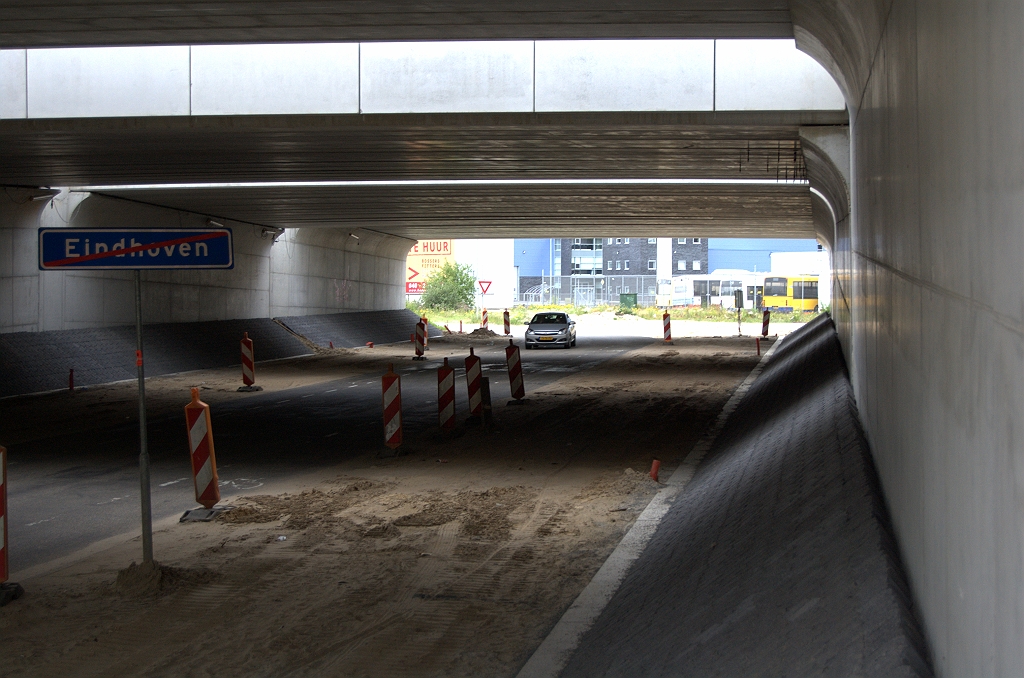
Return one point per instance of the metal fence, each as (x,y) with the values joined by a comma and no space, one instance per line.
(590,290)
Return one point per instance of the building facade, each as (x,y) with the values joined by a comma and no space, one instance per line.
(689,256)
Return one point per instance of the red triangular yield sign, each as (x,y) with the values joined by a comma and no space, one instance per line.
(484,285)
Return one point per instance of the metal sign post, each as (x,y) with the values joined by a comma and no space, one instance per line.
(111,249)
(147,506)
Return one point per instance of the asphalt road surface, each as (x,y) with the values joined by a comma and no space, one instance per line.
(70,489)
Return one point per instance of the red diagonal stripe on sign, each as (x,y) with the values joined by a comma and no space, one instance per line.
(138,248)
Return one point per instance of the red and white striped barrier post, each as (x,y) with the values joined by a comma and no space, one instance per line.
(764,323)
(666,320)
(391,392)
(483,319)
(4,571)
(473,374)
(446,396)
(248,366)
(8,592)
(200,445)
(426,332)
(421,331)
(508,323)
(515,371)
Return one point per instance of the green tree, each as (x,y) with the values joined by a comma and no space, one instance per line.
(451,287)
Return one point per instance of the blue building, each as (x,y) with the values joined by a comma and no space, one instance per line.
(752,254)
(534,256)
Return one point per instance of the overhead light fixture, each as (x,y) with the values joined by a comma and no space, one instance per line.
(271,232)
(211,222)
(451,182)
(353,235)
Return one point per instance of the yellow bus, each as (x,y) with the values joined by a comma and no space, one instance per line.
(795,293)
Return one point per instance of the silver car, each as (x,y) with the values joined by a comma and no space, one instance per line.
(551,328)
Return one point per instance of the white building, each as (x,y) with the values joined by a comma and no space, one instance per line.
(493,264)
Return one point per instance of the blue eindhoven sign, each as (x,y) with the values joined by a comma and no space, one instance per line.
(78,248)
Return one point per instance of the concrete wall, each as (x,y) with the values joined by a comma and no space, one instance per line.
(306,272)
(323,270)
(930,265)
(19,270)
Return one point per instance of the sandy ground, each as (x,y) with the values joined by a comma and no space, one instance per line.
(453,561)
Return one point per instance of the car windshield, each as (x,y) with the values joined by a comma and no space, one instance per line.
(549,319)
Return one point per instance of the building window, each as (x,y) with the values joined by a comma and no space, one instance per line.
(618,241)
(625,289)
(652,241)
(650,290)
(696,265)
(681,265)
(626,267)
(696,241)
(576,241)
(618,289)
(651,264)
(626,240)
(609,264)
(681,241)
(618,264)
(611,241)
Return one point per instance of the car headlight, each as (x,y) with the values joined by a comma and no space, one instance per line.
(563,331)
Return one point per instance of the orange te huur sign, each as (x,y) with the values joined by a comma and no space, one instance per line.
(425,257)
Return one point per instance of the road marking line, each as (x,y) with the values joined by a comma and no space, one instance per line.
(554,653)
(172,482)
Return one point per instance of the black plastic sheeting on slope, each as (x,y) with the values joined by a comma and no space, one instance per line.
(778,559)
(349,330)
(33,362)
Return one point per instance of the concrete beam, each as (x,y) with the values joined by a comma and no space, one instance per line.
(415,77)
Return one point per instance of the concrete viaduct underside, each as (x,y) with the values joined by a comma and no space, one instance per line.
(929,228)
(294,169)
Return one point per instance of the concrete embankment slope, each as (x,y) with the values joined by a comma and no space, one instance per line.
(778,558)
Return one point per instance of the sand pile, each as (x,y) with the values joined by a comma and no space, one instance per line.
(306,509)
(153,579)
(482,514)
